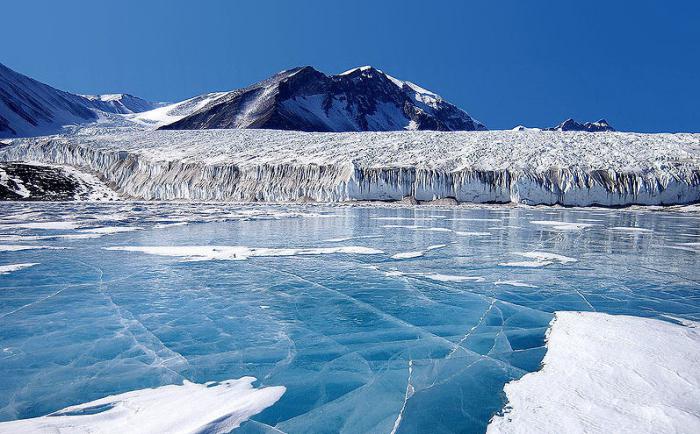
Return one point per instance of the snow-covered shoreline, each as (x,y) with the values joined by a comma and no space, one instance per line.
(520,167)
(609,373)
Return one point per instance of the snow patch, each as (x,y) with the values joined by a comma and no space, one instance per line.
(240,253)
(215,407)
(7,269)
(606,373)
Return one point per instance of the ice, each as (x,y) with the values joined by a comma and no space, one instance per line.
(605,373)
(216,407)
(361,342)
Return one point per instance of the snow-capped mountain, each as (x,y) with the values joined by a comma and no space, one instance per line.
(31,108)
(304,99)
(591,127)
(121,103)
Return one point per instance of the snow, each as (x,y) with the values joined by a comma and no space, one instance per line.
(529,167)
(453,278)
(240,253)
(173,112)
(408,255)
(562,226)
(631,229)
(62,225)
(13,184)
(18,247)
(215,407)
(515,283)
(7,269)
(107,230)
(605,373)
(541,259)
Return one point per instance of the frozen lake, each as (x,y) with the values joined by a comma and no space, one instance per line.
(374,319)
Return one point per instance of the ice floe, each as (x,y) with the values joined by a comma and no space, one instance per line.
(215,407)
(605,373)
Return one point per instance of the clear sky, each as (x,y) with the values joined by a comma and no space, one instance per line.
(506,62)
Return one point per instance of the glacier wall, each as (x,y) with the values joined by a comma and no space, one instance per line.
(143,175)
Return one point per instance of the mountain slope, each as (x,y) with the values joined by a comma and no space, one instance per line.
(121,103)
(304,99)
(31,108)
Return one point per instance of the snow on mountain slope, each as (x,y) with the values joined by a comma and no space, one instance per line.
(31,108)
(173,112)
(121,103)
(304,99)
(531,167)
(591,127)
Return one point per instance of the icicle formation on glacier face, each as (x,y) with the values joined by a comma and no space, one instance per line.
(531,167)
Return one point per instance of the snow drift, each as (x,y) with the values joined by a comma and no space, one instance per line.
(608,373)
(530,167)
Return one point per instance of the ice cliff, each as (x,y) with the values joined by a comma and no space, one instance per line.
(530,167)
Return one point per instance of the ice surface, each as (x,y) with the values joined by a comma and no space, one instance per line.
(606,373)
(361,342)
(530,167)
(188,408)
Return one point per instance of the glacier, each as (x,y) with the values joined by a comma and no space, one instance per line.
(520,167)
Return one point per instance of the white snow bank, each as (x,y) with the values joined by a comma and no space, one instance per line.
(7,269)
(530,167)
(240,253)
(189,408)
(605,374)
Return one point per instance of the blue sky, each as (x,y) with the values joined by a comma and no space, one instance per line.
(506,62)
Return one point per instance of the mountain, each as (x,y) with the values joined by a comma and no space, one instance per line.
(31,108)
(121,103)
(304,99)
(591,127)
